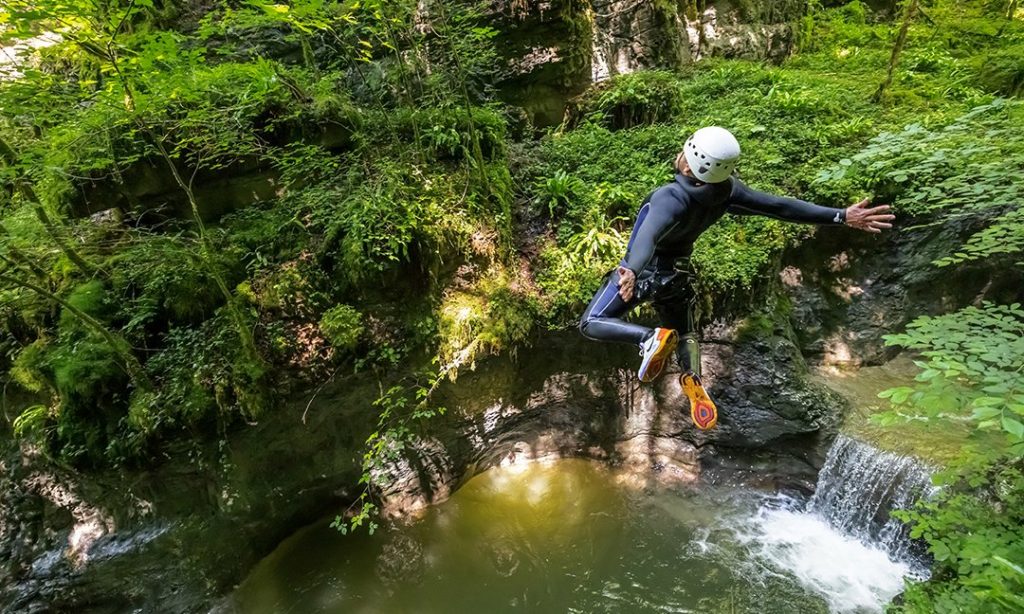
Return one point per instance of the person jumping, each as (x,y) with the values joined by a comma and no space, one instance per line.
(656,267)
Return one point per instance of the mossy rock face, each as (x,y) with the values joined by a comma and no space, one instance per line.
(545,50)
(772,42)
(1002,71)
(757,375)
(631,36)
(149,185)
(753,11)
(553,51)
(849,290)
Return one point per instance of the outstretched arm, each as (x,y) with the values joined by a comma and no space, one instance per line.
(745,201)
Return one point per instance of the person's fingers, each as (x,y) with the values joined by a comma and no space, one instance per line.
(880,225)
(863,203)
(879,209)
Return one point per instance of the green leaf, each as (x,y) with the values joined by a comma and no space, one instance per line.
(900,394)
(1013,566)
(1013,427)
(988,401)
(985,413)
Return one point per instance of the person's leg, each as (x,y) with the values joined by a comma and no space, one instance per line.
(603,321)
(676,306)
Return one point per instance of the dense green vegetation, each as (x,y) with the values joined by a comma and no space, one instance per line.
(971,360)
(966,172)
(140,305)
(200,310)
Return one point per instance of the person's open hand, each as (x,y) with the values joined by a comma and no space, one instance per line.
(869,219)
(627,282)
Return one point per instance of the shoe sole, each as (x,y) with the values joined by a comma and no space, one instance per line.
(668,339)
(703,411)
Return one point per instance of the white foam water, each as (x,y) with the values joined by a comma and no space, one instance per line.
(850,574)
(843,544)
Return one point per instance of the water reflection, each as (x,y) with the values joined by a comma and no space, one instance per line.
(556,537)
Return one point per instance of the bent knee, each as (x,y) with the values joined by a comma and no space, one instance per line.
(584,324)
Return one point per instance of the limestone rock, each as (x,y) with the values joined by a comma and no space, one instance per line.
(850,289)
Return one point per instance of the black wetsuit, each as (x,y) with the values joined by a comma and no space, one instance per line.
(668,224)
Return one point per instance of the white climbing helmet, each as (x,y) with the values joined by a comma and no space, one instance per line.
(712,154)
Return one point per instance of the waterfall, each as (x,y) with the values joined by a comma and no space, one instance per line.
(859,486)
(842,543)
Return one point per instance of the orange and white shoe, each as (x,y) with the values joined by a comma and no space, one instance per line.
(702,408)
(656,351)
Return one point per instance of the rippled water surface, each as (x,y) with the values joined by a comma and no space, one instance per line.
(565,537)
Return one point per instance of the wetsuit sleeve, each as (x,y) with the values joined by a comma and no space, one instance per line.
(744,201)
(662,213)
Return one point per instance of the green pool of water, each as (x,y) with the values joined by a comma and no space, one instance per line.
(560,537)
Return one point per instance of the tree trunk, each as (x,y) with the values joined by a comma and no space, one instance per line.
(70,252)
(245,335)
(909,9)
